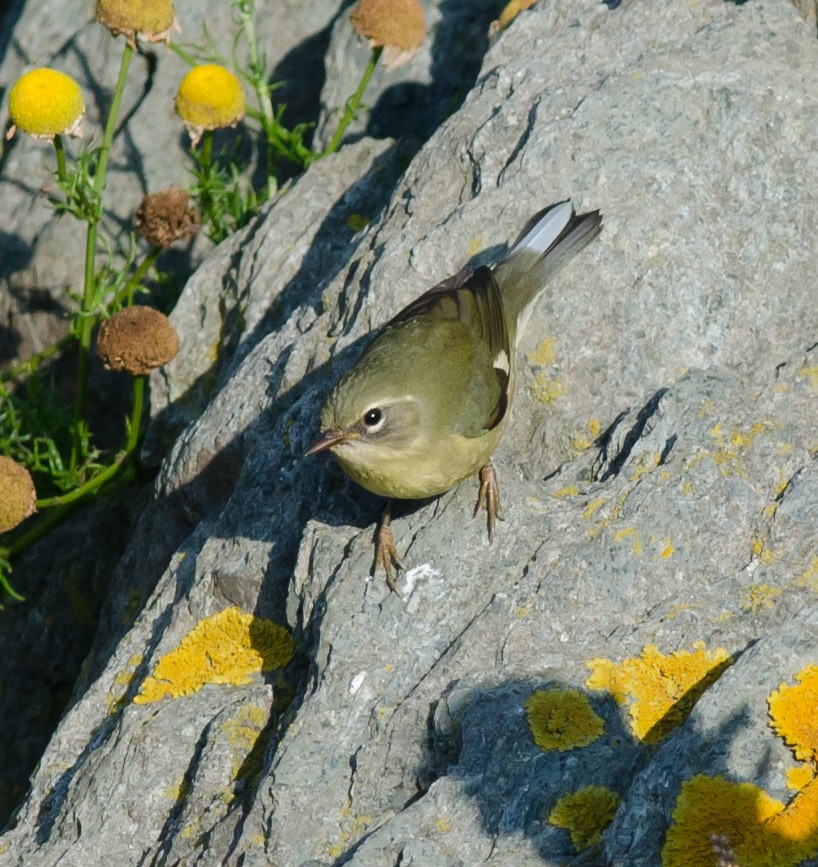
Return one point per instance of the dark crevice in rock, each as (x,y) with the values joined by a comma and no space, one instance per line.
(613,464)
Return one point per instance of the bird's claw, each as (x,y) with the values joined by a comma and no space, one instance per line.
(489,498)
(386,554)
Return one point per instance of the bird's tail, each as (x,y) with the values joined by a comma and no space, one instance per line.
(549,240)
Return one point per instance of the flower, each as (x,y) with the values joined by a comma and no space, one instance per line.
(17,495)
(166,216)
(153,19)
(398,26)
(137,339)
(209,97)
(45,103)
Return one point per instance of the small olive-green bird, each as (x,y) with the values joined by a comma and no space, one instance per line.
(425,406)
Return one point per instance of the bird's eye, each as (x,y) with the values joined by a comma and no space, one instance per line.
(373,417)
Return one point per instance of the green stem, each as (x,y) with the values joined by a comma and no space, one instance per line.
(188,58)
(263,94)
(60,149)
(136,278)
(205,160)
(28,366)
(135,421)
(92,485)
(89,284)
(354,102)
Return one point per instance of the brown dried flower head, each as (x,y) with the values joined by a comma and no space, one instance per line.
(396,25)
(17,494)
(137,339)
(167,216)
(153,19)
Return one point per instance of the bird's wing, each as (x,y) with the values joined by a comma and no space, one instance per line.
(473,299)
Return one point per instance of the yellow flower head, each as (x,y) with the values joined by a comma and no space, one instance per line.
(17,494)
(153,19)
(209,97)
(45,103)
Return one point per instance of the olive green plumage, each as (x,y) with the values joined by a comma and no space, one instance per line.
(426,404)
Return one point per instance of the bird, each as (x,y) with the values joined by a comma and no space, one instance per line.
(427,402)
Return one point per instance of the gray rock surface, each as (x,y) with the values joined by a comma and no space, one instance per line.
(659,478)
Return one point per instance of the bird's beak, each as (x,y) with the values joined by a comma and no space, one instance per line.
(327,440)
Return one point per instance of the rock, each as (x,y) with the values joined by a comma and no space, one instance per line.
(658,481)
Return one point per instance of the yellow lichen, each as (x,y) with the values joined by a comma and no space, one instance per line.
(567,491)
(585,814)
(545,389)
(228,647)
(760,596)
(799,776)
(809,373)
(593,506)
(244,734)
(713,805)
(659,689)
(793,714)
(544,354)
(809,577)
(510,11)
(562,719)
(762,832)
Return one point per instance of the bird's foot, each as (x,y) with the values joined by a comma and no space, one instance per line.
(489,497)
(386,554)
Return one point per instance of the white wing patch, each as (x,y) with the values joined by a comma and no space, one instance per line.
(501,362)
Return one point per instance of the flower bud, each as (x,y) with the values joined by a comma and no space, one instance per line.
(167,216)
(396,25)
(152,19)
(17,494)
(137,339)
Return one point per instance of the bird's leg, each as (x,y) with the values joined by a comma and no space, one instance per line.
(386,554)
(489,497)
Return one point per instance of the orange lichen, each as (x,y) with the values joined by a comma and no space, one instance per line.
(510,12)
(713,805)
(660,690)
(585,814)
(562,719)
(228,647)
(761,831)
(799,776)
(793,714)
